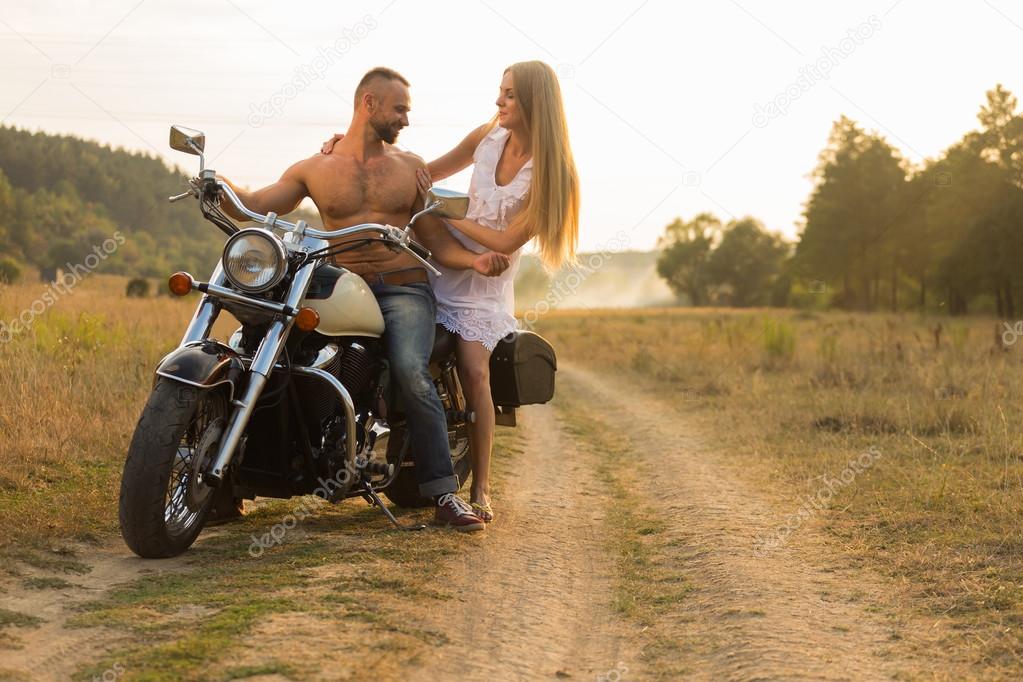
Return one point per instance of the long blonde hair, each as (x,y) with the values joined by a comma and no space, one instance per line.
(552,203)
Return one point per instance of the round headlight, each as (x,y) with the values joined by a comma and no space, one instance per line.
(255,260)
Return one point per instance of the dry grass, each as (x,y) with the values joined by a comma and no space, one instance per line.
(72,386)
(796,396)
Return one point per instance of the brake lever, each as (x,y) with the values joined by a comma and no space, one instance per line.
(402,237)
(425,262)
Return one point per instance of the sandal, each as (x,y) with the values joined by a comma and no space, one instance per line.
(484,511)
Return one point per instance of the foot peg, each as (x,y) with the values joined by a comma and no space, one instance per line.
(456,416)
(378,468)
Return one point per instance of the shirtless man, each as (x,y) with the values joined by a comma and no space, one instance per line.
(367,180)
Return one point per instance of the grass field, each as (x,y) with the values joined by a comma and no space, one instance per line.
(795,397)
(72,385)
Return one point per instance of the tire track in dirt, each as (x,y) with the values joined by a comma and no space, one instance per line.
(792,613)
(533,598)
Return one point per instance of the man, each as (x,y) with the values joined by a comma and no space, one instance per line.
(367,180)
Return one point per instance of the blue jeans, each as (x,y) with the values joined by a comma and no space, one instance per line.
(409,313)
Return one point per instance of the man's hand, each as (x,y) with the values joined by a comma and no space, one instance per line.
(491,263)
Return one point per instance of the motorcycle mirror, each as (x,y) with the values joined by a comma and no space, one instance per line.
(187,140)
(447,203)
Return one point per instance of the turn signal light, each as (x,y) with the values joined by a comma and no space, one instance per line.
(180,283)
(307,319)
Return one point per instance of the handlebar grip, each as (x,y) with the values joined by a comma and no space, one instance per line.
(419,250)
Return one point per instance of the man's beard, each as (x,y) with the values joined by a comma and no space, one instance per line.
(385,132)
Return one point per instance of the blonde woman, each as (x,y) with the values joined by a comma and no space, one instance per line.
(524,187)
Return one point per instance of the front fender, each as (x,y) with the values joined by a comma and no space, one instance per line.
(203,364)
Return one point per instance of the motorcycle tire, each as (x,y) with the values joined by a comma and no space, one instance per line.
(404,490)
(147,507)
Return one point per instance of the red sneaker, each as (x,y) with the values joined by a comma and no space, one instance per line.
(454,512)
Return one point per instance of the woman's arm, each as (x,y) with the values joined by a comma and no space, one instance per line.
(460,157)
(508,241)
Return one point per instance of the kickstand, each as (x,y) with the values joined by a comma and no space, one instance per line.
(370,495)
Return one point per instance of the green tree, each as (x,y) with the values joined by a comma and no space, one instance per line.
(10,271)
(685,253)
(747,263)
(853,215)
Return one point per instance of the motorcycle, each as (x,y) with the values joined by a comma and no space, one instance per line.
(298,401)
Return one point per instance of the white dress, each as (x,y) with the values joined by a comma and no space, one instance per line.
(476,307)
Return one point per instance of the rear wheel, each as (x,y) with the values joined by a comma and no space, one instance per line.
(164,502)
(404,490)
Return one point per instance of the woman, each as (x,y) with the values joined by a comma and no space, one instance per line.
(524,187)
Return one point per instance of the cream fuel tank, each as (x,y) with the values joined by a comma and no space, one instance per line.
(346,306)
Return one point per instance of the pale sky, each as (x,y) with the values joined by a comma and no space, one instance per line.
(662,96)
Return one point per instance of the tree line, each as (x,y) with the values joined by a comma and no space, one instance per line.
(60,196)
(878,232)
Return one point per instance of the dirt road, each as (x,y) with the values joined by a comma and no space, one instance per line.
(536,598)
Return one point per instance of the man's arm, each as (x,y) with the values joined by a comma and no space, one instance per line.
(282,197)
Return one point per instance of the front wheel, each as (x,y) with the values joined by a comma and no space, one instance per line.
(164,503)
(404,490)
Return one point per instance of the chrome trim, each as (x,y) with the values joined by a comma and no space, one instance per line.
(377,433)
(205,313)
(226,190)
(235,341)
(346,401)
(326,354)
(452,204)
(174,377)
(278,245)
(263,362)
(398,236)
(232,295)
(236,426)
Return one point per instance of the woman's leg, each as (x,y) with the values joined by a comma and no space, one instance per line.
(474,373)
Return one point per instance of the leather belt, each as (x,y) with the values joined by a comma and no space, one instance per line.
(397,277)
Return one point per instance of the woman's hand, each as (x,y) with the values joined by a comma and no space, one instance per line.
(424,181)
(491,264)
(328,146)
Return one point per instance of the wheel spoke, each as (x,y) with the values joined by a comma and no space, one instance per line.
(177,514)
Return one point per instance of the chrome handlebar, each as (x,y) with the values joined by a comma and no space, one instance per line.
(400,237)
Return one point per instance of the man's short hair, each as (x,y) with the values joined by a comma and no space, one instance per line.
(375,74)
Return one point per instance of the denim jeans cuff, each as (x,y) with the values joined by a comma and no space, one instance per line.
(439,486)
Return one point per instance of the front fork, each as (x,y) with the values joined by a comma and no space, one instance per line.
(263,362)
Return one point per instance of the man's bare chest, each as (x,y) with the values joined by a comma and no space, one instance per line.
(378,186)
